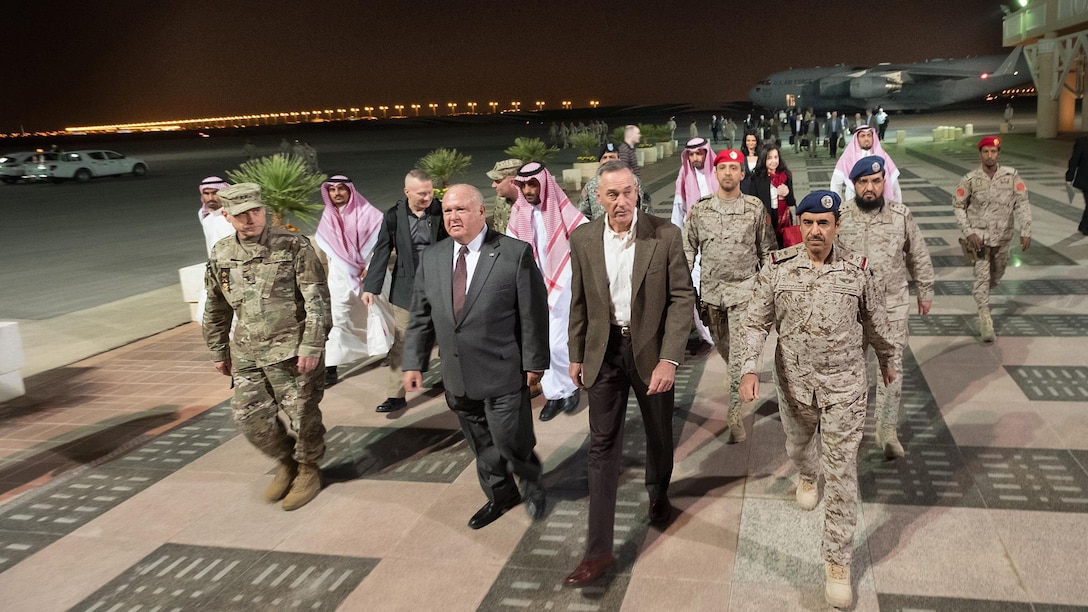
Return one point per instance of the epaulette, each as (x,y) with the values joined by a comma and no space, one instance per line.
(858,260)
(898,207)
(781,255)
(706,197)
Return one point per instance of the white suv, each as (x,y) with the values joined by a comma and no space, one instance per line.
(82,166)
(13,165)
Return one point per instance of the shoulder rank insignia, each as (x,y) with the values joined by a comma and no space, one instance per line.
(787,253)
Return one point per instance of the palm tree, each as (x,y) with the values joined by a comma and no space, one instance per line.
(441,164)
(287,186)
(530,150)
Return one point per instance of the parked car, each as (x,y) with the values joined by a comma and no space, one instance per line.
(82,166)
(13,165)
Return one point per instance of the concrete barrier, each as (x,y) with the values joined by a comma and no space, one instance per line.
(572,179)
(969,129)
(192,287)
(11,361)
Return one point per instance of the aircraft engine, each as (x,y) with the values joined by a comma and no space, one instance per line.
(833,86)
(873,87)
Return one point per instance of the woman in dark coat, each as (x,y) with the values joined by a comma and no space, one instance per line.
(772,183)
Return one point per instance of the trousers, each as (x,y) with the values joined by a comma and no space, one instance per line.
(260,393)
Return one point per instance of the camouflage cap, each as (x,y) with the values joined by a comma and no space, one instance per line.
(239,198)
(503,169)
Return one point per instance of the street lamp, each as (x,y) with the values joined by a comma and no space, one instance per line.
(383,108)
(594,103)
(354,113)
(472,107)
(539,105)
(516,105)
(494,106)
(415,107)
(566,104)
(369,111)
(400,109)
(453,107)
(434,108)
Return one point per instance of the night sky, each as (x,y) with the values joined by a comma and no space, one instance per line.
(80,63)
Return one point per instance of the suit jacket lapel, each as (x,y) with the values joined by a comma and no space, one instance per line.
(488,254)
(645,245)
(404,232)
(445,276)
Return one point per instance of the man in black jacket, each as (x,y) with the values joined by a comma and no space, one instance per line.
(1077,174)
(408,227)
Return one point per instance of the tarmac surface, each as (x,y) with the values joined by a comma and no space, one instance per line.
(124,484)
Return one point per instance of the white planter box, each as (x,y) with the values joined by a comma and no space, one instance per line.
(192,282)
(11,386)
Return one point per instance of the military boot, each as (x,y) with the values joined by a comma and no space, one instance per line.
(282,481)
(808,494)
(305,487)
(985,325)
(736,427)
(838,592)
(888,440)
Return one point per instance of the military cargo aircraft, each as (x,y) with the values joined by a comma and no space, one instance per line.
(919,86)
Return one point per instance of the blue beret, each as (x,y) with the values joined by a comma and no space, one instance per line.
(822,201)
(866,166)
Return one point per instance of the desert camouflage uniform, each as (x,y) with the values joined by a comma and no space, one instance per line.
(823,316)
(500,214)
(592,209)
(277,289)
(734,238)
(894,245)
(986,206)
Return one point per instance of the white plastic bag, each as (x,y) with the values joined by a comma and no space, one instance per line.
(380,326)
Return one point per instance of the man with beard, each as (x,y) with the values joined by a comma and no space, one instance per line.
(885,232)
(410,226)
(347,233)
(506,192)
(987,200)
(733,235)
(863,144)
(695,181)
(827,306)
(215,224)
(544,217)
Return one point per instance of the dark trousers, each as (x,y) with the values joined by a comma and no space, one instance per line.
(1083,227)
(499,431)
(607,408)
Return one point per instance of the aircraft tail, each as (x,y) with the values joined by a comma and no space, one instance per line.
(1008,66)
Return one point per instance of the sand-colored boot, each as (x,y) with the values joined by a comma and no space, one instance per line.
(888,440)
(305,487)
(839,593)
(282,481)
(736,427)
(808,494)
(985,325)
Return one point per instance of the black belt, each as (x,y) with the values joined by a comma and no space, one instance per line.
(623,330)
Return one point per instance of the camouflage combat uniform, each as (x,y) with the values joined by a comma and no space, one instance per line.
(986,206)
(823,316)
(734,238)
(276,287)
(500,214)
(892,242)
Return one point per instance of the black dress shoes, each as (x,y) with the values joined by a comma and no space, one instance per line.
(588,571)
(535,503)
(551,408)
(660,510)
(330,376)
(570,404)
(491,512)
(392,404)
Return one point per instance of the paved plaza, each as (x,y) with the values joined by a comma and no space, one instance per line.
(124,485)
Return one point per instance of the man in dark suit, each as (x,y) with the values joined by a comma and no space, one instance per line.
(630,313)
(1077,174)
(481,295)
(410,226)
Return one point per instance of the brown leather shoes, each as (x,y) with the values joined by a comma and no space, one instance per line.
(588,571)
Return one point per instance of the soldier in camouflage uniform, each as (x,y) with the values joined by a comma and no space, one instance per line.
(886,233)
(734,237)
(986,201)
(589,205)
(826,304)
(506,192)
(272,280)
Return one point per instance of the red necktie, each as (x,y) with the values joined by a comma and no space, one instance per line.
(460,282)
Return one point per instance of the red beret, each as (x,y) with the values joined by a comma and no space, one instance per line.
(989,141)
(730,155)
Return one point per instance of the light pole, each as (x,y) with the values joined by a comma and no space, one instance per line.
(369,111)
(453,107)
(516,105)
(400,109)
(415,107)
(539,105)
(383,109)
(472,107)
(354,113)
(434,108)
(594,103)
(494,106)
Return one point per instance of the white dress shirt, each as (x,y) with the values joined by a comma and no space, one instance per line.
(619,260)
(471,258)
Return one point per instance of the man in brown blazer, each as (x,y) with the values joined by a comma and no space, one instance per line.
(630,313)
